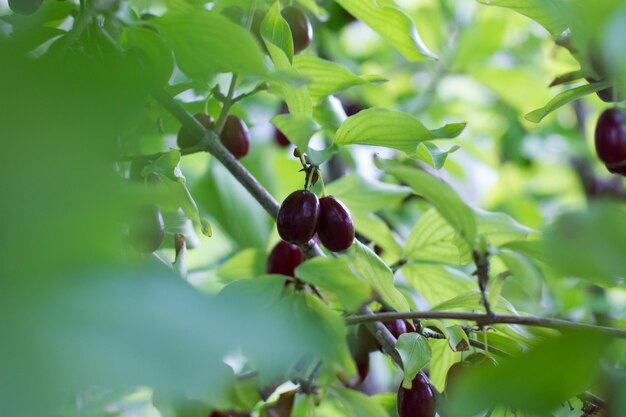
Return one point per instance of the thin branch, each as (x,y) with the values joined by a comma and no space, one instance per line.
(485,319)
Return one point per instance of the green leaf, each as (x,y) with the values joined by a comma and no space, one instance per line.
(390,128)
(437,283)
(329,113)
(363,195)
(230,205)
(357,404)
(328,77)
(247,263)
(500,228)
(442,359)
(206,43)
(457,338)
(525,272)
(434,239)
(471,300)
(433,155)
(275,29)
(415,353)
(548,13)
(548,366)
(335,276)
(393,24)
(589,244)
(173,189)
(564,98)
(373,270)
(295,95)
(442,196)
(376,230)
(298,128)
(153,47)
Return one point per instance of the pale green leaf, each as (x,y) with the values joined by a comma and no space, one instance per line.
(298,128)
(334,275)
(499,228)
(357,404)
(442,359)
(376,230)
(548,13)
(329,113)
(247,263)
(433,155)
(471,301)
(564,98)
(415,353)
(434,239)
(363,195)
(390,128)
(437,283)
(206,43)
(393,24)
(328,77)
(457,338)
(275,29)
(442,196)
(373,270)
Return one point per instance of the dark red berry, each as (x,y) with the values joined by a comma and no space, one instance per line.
(399,327)
(301,30)
(284,259)
(298,217)
(419,401)
(352,107)
(610,139)
(26,7)
(235,14)
(235,136)
(335,229)
(186,139)
(147,229)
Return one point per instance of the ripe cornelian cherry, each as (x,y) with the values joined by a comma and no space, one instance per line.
(284,259)
(301,30)
(147,229)
(419,401)
(235,136)
(186,139)
(335,229)
(610,140)
(298,217)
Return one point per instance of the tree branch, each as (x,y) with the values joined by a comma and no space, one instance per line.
(485,319)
